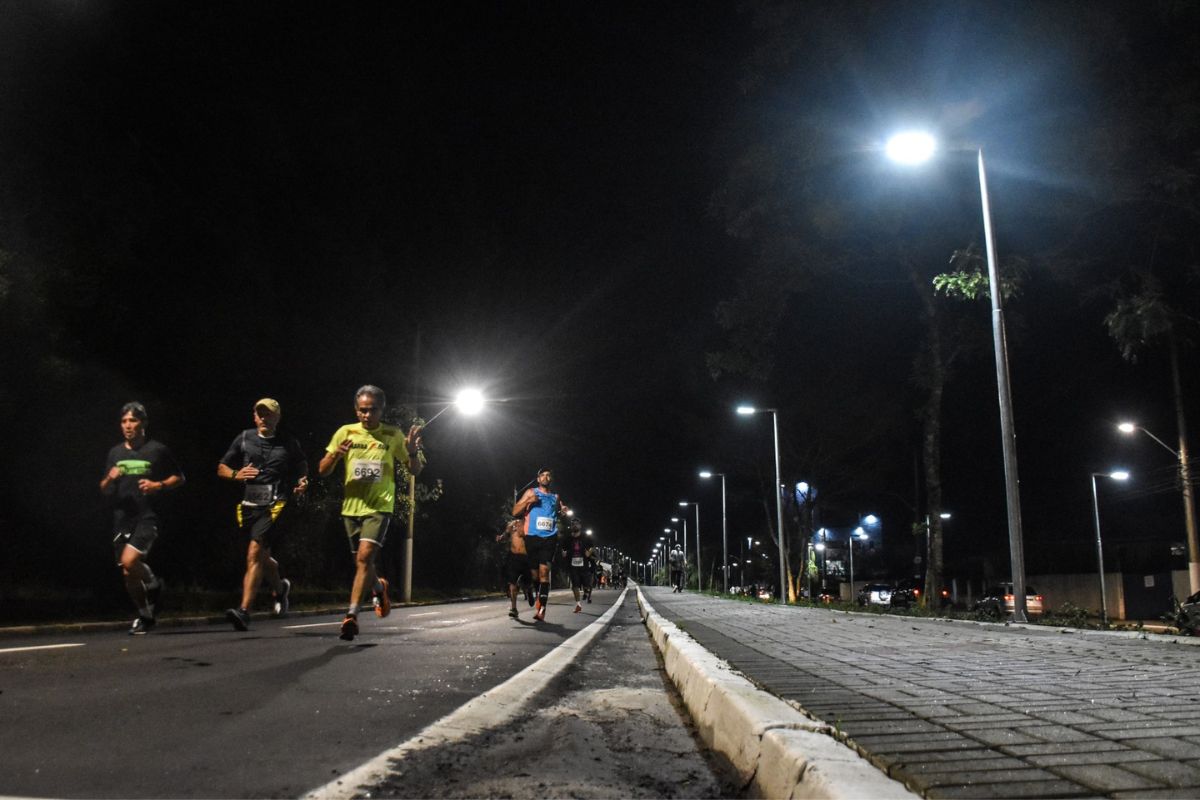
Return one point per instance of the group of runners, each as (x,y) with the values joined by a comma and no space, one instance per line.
(533,540)
(271,470)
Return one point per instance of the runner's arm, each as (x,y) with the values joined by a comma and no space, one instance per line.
(522,506)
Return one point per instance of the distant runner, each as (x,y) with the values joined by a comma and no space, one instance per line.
(677,566)
(575,554)
(138,471)
(271,469)
(516,562)
(371,450)
(540,509)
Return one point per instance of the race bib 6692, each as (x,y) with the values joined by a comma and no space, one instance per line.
(366,471)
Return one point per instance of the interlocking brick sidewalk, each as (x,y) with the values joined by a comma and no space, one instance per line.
(959,709)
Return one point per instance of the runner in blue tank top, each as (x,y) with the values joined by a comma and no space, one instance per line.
(540,507)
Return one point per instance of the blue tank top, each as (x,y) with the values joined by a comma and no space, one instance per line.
(542,520)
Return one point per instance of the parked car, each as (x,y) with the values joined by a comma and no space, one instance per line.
(875,594)
(998,601)
(908,593)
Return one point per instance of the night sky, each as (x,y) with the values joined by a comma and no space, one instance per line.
(226,201)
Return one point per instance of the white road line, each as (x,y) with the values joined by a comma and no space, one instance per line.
(309,625)
(424,614)
(491,709)
(40,647)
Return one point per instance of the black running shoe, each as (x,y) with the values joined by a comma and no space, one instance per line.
(280,608)
(529,594)
(141,626)
(239,618)
(349,628)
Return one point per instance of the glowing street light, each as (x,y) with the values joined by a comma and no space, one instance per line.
(724,530)
(748,411)
(1119,475)
(699,576)
(914,147)
(468,402)
(911,148)
(1189,498)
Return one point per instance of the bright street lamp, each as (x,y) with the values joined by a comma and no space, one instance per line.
(746,411)
(724,530)
(699,577)
(676,519)
(1189,499)
(1119,475)
(469,402)
(913,148)
(870,520)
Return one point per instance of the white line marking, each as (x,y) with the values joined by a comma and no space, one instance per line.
(493,708)
(309,625)
(424,614)
(40,647)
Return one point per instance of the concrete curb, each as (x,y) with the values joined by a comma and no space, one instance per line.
(494,708)
(776,751)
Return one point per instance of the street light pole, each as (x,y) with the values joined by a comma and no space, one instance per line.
(699,571)
(913,148)
(1004,390)
(778,499)
(1119,475)
(1189,499)
(724,531)
(469,402)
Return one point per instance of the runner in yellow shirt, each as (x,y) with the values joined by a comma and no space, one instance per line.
(370,449)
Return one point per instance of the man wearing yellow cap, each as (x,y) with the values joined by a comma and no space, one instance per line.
(270,469)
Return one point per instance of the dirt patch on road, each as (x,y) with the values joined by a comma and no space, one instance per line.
(611,726)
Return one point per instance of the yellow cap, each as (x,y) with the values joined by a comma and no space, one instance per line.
(270,405)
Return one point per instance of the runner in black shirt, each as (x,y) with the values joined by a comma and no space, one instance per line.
(271,469)
(137,472)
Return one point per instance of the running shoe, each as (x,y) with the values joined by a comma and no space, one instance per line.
(578,608)
(141,626)
(383,603)
(281,598)
(349,628)
(239,618)
(529,593)
(540,613)
(512,612)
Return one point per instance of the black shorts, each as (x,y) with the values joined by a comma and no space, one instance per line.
(515,565)
(541,549)
(137,532)
(581,578)
(261,521)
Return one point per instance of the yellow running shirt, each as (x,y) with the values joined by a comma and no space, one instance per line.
(370,467)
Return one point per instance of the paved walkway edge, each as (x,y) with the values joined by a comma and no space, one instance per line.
(495,707)
(776,750)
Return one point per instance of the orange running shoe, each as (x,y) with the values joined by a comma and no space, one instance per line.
(349,628)
(383,603)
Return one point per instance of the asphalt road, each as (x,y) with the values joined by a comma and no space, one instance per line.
(273,712)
